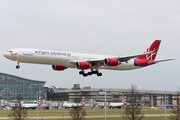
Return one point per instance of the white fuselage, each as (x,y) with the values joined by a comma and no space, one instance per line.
(116,104)
(30,105)
(71,105)
(62,58)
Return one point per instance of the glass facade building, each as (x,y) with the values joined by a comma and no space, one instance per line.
(10,85)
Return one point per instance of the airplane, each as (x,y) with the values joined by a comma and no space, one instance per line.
(32,105)
(73,105)
(118,105)
(60,60)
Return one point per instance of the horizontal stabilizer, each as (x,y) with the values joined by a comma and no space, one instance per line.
(151,62)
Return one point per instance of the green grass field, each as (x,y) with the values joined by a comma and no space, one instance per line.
(93,112)
(90,112)
(146,118)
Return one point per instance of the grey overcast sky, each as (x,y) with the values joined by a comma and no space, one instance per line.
(108,27)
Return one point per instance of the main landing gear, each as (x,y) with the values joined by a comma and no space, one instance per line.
(90,73)
(17,65)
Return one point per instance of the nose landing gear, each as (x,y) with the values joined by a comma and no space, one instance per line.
(17,65)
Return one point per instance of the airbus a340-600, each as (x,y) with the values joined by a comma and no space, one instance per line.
(61,60)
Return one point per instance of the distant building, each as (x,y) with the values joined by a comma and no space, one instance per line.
(50,94)
(10,85)
(144,98)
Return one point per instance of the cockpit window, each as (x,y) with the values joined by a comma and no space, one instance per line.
(10,51)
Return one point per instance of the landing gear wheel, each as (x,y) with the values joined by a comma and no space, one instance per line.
(81,72)
(94,72)
(17,67)
(85,75)
(89,73)
(99,74)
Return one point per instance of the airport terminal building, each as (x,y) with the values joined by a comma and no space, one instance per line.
(10,85)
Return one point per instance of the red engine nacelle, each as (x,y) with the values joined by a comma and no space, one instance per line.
(111,62)
(83,65)
(58,67)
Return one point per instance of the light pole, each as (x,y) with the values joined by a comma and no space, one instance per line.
(37,103)
(165,106)
(165,102)
(105,105)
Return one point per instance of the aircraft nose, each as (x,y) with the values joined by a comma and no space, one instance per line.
(6,54)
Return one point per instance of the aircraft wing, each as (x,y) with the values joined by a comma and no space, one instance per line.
(121,59)
(151,62)
(94,62)
(126,58)
(88,60)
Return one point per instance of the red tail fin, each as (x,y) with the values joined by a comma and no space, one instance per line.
(124,100)
(154,46)
(39,101)
(82,102)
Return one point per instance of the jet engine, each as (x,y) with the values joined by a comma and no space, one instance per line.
(83,65)
(111,62)
(58,67)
